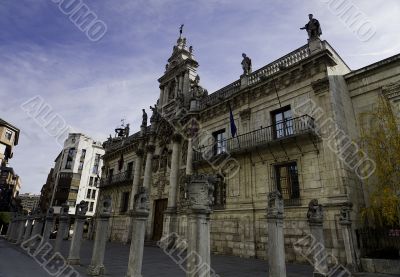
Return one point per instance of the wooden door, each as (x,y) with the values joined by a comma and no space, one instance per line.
(159,209)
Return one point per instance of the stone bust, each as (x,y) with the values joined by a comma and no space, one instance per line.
(246,64)
(313,28)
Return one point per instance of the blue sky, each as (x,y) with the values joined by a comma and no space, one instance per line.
(92,85)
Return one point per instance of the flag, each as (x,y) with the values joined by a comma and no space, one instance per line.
(232,121)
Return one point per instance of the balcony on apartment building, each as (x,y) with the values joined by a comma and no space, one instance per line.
(282,131)
(123,178)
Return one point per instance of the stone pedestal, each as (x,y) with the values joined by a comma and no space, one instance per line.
(348,238)
(21,230)
(315,45)
(28,228)
(48,227)
(96,266)
(315,221)
(63,227)
(276,242)
(200,194)
(139,215)
(75,248)
(11,227)
(244,81)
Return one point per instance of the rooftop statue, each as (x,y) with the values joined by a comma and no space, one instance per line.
(144,120)
(246,64)
(313,28)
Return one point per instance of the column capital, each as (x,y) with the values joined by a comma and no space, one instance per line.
(345,211)
(150,148)
(275,206)
(176,137)
(139,152)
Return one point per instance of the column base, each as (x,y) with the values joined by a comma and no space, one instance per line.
(96,270)
(72,261)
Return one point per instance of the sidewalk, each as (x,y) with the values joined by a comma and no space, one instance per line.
(14,262)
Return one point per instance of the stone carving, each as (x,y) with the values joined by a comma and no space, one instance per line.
(246,64)
(144,118)
(200,192)
(141,200)
(81,208)
(313,28)
(275,205)
(197,91)
(155,116)
(106,207)
(345,211)
(315,211)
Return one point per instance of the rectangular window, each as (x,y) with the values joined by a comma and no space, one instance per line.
(124,202)
(282,122)
(8,134)
(91,182)
(89,192)
(70,158)
(96,164)
(219,142)
(96,180)
(91,206)
(130,169)
(287,182)
(93,194)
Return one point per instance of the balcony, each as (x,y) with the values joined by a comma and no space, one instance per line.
(121,179)
(282,131)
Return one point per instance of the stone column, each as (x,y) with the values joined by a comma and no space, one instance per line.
(200,194)
(315,217)
(21,229)
(28,229)
(139,215)
(348,238)
(62,227)
(75,248)
(11,227)
(276,242)
(38,225)
(48,227)
(170,218)
(96,266)
(15,228)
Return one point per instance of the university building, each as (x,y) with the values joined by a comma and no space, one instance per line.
(282,143)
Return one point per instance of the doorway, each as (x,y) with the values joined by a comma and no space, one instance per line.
(160,207)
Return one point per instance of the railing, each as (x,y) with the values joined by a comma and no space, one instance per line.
(255,77)
(117,179)
(287,60)
(282,130)
(379,243)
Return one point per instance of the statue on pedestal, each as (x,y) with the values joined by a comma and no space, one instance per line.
(246,64)
(144,120)
(313,28)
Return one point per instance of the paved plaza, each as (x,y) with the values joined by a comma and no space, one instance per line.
(15,263)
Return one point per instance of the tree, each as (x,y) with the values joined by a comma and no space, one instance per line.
(381,141)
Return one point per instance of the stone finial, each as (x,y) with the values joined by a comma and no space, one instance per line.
(275,205)
(106,207)
(200,192)
(315,212)
(82,208)
(64,209)
(141,203)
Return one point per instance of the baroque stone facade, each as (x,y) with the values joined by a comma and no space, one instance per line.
(283,143)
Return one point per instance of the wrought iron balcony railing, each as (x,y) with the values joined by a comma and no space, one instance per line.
(122,178)
(280,131)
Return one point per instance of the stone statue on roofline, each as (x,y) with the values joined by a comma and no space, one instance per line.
(246,64)
(313,28)
(144,118)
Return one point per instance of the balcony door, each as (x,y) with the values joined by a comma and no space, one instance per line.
(282,122)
